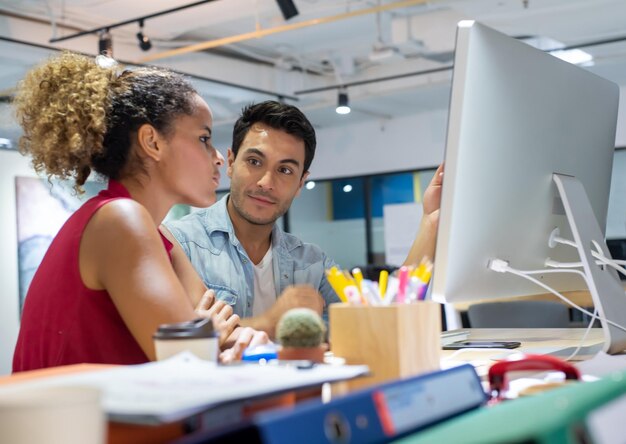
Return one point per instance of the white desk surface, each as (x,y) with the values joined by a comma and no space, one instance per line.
(532,339)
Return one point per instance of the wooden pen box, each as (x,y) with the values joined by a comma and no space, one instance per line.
(395,341)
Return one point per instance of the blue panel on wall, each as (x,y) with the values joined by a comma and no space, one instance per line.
(392,189)
(348,205)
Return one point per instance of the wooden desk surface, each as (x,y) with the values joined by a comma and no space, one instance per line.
(581,298)
(531,338)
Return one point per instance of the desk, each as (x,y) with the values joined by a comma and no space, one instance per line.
(581,298)
(529,337)
(117,433)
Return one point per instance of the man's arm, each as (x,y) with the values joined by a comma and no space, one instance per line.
(426,238)
(296,296)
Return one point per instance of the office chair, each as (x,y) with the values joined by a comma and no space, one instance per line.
(519,314)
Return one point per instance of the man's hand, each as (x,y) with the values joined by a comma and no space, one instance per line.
(432,196)
(425,240)
(296,296)
(220,313)
(248,337)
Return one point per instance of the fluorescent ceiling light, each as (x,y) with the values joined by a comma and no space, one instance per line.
(574,56)
(552,46)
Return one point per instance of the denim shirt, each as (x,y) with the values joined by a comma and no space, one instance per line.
(208,239)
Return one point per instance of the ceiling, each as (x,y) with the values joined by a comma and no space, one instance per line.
(356,47)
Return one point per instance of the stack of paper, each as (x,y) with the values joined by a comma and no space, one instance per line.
(184,385)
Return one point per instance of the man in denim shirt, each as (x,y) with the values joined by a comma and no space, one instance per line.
(235,245)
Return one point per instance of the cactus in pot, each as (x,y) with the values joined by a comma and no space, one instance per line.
(301,331)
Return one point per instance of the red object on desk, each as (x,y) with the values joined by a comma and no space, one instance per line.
(498,383)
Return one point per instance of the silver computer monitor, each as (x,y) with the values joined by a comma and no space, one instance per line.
(517,116)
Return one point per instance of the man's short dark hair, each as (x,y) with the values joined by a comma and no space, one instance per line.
(279,116)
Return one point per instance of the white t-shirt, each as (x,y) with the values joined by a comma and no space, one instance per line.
(264,288)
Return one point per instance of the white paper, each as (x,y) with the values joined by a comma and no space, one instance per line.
(183,385)
(401,222)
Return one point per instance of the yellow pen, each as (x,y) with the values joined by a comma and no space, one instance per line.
(382,284)
(358,277)
(336,280)
(353,281)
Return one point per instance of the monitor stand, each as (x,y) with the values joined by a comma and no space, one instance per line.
(606,290)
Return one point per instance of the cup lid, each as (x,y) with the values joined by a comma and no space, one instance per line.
(198,328)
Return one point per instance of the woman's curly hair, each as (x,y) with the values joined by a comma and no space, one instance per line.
(77,116)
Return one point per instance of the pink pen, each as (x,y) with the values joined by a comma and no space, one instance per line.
(403,279)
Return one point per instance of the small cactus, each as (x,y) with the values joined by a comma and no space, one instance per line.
(300,327)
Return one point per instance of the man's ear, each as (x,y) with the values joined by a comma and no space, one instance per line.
(149,142)
(304,177)
(231,159)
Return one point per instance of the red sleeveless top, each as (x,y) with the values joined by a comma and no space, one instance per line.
(64,322)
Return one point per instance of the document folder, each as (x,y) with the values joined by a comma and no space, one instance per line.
(558,416)
(377,414)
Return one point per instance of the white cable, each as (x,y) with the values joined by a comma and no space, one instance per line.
(502,267)
(610,262)
(596,254)
(584,337)
(601,261)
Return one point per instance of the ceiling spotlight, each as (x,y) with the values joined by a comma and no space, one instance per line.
(342,103)
(288,8)
(347,188)
(144,42)
(105,43)
(310,185)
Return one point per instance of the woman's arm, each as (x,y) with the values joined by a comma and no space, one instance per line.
(121,252)
(189,278)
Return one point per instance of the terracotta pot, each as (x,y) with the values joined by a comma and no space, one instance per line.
(315,354)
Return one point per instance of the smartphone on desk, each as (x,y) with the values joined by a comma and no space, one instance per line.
(481,344)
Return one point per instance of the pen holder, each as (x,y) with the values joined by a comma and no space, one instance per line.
(395,341)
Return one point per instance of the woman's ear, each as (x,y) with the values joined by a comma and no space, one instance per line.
(150,142)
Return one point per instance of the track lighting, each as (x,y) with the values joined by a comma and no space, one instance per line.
(144,42)
(105,43)
(288,8)
(342,103)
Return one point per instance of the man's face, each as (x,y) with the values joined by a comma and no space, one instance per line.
(266,175)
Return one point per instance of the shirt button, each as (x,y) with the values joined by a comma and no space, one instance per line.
(245,261)
(248,304)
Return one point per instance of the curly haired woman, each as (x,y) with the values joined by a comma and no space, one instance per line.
(107,281)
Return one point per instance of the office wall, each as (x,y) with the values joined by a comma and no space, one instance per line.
(379,146)
(11,164)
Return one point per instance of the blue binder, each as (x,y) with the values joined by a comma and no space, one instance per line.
(374,415)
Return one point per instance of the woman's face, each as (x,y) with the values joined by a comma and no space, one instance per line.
(191,162)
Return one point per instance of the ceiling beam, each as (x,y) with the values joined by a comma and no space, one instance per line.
(259,33)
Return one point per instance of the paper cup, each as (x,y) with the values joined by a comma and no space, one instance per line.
(54,415)
(197,337)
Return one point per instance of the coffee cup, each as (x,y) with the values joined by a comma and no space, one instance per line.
(198,337)
(55,415)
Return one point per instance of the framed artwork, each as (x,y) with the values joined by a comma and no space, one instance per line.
(42,208)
